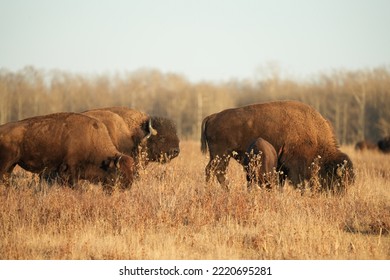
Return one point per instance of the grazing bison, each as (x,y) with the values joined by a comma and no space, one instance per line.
(365,145)
(134,132)
(69,145)
(260,162)
(302,132)
(384,144)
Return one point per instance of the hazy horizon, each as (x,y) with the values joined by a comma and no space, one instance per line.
(201,40)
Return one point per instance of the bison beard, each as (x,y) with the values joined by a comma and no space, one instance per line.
(296,127)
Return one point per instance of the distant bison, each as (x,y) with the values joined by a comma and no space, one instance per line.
(365,145)
(260,162)
(134,132)
(302,132)
(384,144)
(69,145)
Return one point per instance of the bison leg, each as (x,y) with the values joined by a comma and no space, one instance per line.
(127,168)
(5,174)
(58,176)
(251,163)
(8,162)
(49,177)
(253,166)
(217,167)
(67,175)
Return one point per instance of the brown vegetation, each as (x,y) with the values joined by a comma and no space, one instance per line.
(170,213)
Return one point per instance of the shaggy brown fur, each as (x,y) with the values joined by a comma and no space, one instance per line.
(260,161)
(73,146)
(302,132)
(135,120)
(125,138)
(160,147)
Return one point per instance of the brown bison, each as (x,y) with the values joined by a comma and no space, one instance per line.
(384,144)
(69,145)
(134,132)
(365,145)
(302,132)
(260,162)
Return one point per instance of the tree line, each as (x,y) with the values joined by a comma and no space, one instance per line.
(357,103)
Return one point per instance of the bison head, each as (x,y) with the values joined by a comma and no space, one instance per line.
(384,145)
(119,168)
(162,142)
(338,173)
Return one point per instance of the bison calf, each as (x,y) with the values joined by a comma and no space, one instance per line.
(72,146)
(365,145)
(260,162)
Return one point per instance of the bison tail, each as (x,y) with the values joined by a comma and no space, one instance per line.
(203,139)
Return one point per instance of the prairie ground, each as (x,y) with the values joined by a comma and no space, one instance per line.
(170,213)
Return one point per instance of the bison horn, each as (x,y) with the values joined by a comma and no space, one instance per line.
(152,131)
(117,160)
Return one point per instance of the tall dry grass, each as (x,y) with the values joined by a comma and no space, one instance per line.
(170,213)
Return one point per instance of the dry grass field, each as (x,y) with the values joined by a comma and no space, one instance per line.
(170,213)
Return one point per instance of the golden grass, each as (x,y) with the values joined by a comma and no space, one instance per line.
(170,213)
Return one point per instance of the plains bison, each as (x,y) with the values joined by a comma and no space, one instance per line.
(260,161)
(72,146)
(365,145)
(302,132)
(384,144)
(134,132)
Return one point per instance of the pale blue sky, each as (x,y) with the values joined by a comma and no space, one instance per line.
(202,40)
